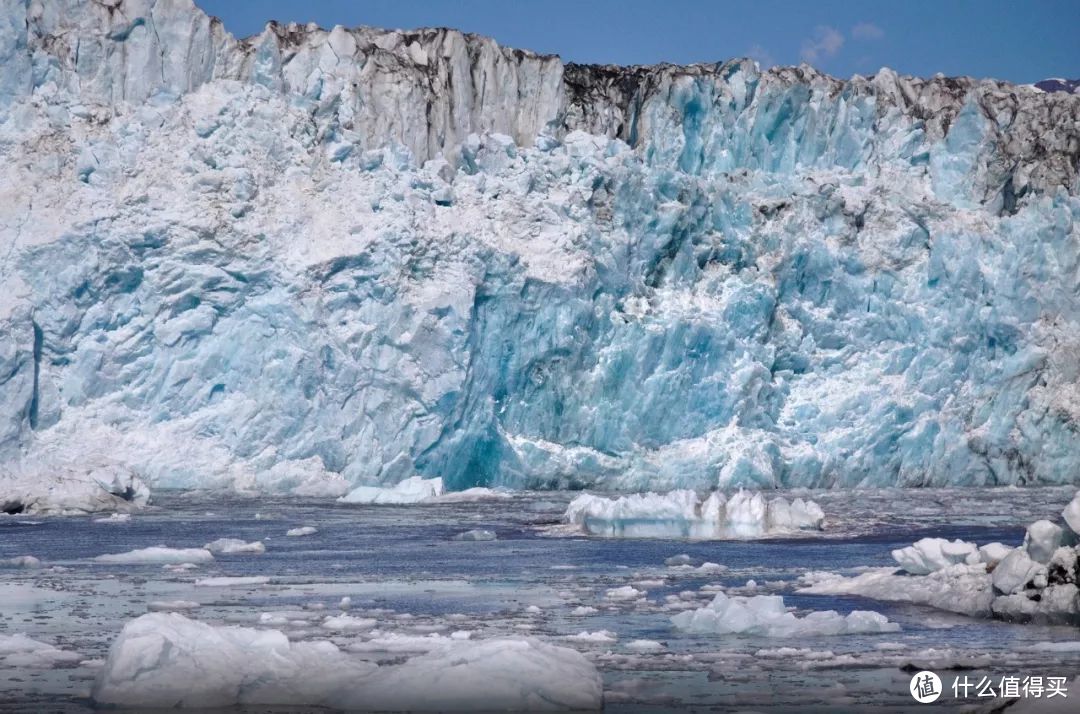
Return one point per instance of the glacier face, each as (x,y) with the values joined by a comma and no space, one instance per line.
(314,259)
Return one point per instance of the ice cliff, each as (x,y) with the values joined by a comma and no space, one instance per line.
(317,259)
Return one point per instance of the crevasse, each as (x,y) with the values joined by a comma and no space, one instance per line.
(313,259)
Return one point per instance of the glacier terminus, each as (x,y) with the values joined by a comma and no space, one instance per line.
(311,260)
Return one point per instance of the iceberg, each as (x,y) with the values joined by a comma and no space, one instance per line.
(960,588)
(509,271)
(684,514)
(766,616)
(169,661)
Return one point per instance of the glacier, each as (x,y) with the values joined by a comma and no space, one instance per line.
(315,260)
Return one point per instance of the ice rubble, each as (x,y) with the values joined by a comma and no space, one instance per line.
(411,490)
(684,514)
(80,486)
(169,661)
(511,271)
(1037,580)
(766,616)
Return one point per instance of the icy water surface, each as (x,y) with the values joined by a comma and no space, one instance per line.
(401,566)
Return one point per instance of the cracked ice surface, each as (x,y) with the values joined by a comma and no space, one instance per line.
(253,253)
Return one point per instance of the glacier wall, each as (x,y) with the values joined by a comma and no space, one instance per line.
(311,258)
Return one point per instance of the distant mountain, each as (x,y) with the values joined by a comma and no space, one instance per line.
(1070,86)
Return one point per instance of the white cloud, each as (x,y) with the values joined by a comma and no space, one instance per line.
(867,31)
(761,55)
(825,43)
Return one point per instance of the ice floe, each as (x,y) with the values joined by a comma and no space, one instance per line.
(22,652)
(960,588)
(767,616)
(476,535)
(170,661)
(232,581)
(156,555)
(301,531)
(232,546)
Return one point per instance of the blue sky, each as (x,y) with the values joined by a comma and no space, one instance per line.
(1017,41)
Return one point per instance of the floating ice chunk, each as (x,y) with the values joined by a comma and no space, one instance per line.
(156,555)
(179,567)
(958,588)
(301,531)
(23,652)
(644,646)
(993,553)
(168,661)
(411,490)
(600,637)
(478,534)
(273,619)
(21,561)
(114,518)
(681,559)
(930,554)
(626,592)
(345,604)
(582,610)
(766,615)
(1015,571)
(490,675)
(171,605)
(226,582)
(1071,514)
(348,623)
(682,514)
(1042,539)
(230,546)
